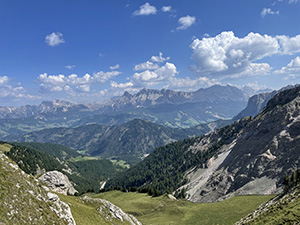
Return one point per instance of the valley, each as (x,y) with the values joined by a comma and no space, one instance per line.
(154,172)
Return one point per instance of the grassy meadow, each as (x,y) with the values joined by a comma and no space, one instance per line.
(164,211)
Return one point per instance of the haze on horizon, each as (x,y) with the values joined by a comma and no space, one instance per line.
(88,51)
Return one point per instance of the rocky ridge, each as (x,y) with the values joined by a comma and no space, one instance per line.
(111,211)
(256,161)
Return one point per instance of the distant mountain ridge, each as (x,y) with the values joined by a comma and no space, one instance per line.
(44,107)
(165,107)
(151,97)
(129,141)
(250,156)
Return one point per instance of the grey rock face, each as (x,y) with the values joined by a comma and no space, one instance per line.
(266,149)
(255,104)
(58,182)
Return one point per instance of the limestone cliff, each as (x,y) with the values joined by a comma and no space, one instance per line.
(256,162)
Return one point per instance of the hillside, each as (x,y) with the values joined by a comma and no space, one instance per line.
(26,200)
(282,209)
(86,175)
(164,168)
(257,161)
(129,141)
(23,200)
(248,157)
(60,151)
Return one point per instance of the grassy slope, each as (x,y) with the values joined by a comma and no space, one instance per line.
(21,197)
(284,211)
(83,213)
(5,147)
(161,210)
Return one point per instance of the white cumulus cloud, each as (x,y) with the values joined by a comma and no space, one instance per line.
(56,83)
(145,10)
(146,66)
(115,67)
(13,93)
(114,84)
(228,55)
(54,39)
(292,69)
(289,45)
(3,80)
(159,59)
(152,64)
(185,22)
(166,8)
(268,11)
(70,67)
(150,78)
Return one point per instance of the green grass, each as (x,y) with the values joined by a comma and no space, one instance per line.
(5,147)
(121,163)
(161,210)
(83,158)
(83,213)
(287,211)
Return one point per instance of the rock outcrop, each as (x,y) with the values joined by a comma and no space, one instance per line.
(112,212)
(58,182)
(60,208)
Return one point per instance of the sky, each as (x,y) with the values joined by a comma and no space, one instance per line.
(90,51)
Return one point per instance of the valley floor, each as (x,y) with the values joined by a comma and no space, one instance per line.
(162,210)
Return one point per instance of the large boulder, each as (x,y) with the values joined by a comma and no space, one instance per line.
(58,182)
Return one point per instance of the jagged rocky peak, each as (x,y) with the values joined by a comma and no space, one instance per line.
(127,94)
(147,97)
(47,106)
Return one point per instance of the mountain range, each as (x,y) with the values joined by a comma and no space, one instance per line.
(129,141)
(251,156)
(165,107)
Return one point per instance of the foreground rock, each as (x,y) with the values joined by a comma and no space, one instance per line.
(58,182)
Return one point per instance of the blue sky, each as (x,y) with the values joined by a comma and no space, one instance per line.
(89,51)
